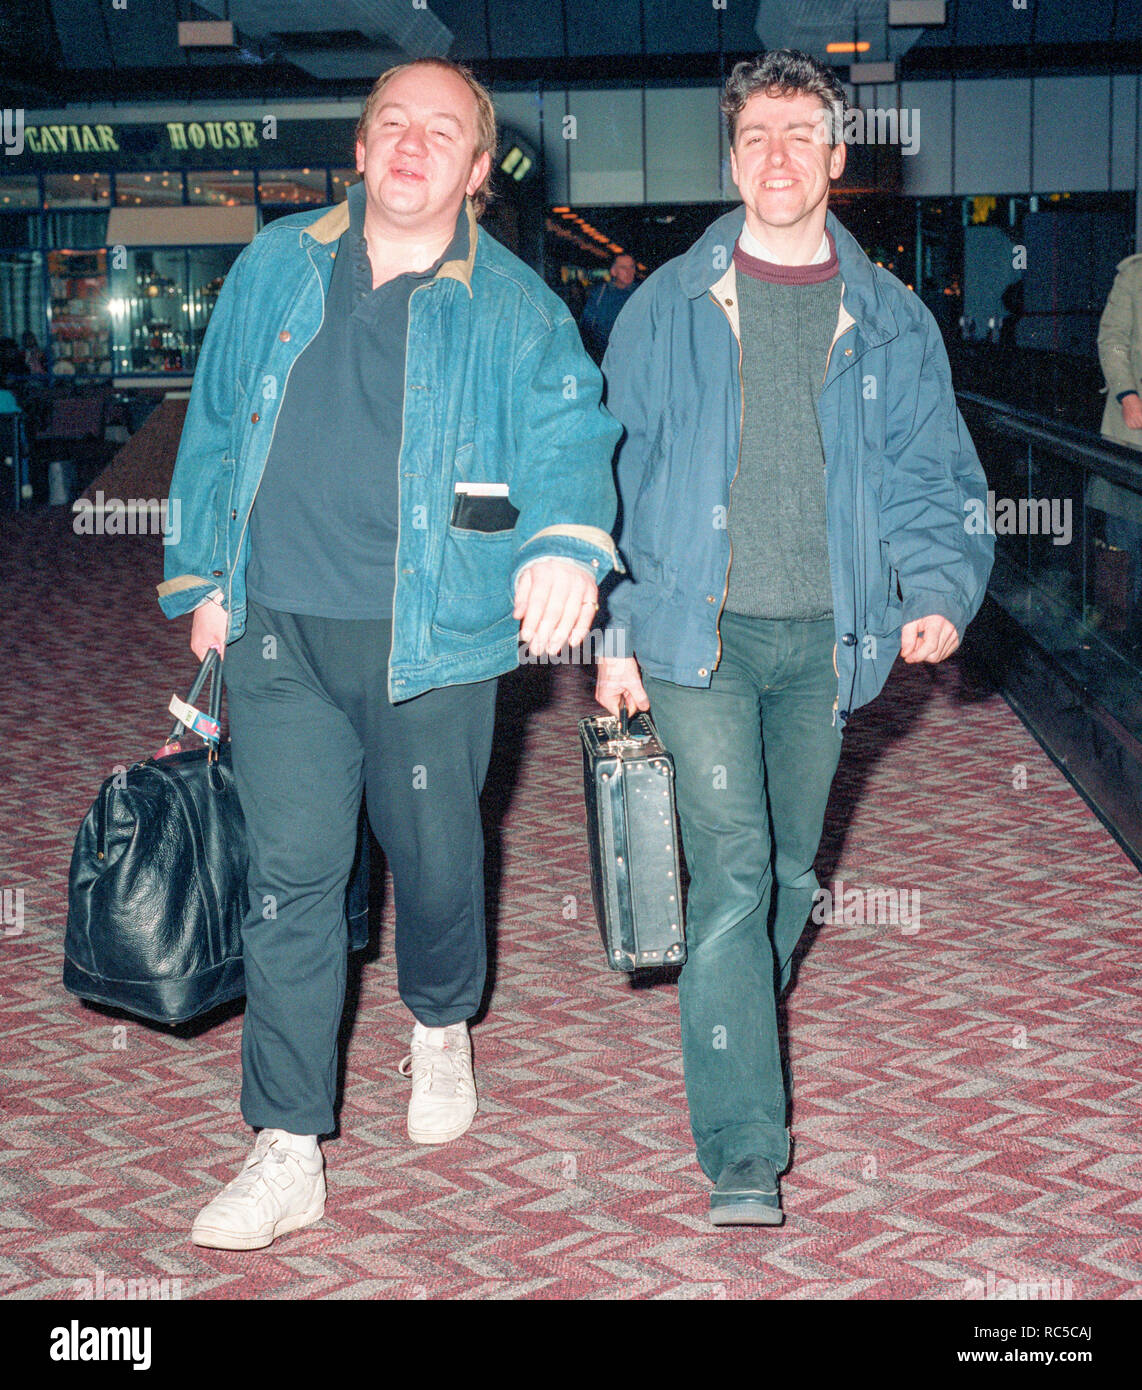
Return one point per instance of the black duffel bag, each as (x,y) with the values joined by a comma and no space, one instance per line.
(157,889)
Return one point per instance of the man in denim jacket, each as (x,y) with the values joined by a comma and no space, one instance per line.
(413,412)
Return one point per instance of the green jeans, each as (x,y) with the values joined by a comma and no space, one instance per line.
(754,756)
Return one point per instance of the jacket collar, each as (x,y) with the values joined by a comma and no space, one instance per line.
(332,224)
(707,261)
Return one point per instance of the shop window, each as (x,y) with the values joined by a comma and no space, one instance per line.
(343,180)
(148,190)
(22,309)
(292,188)
(80,323)
(19,211)
(208,268)
(220,188)
(150,312)
(77,191)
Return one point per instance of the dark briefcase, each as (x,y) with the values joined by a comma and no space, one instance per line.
(628,783)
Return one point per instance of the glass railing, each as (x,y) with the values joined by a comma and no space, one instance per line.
(1066,510)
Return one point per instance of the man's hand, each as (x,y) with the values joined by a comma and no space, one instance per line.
(557,601)
(616,678)
(1132,412)
(928,639)
(208,629)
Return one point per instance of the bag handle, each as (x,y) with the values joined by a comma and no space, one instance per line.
(187,716)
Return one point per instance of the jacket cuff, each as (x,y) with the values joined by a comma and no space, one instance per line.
(589,546)
(1123,394)
(584,565)
(944,605)
(184,593)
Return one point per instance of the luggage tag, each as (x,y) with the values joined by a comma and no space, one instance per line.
(483,507)
(196,722)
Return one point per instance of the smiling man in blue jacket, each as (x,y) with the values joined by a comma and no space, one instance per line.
(792,478)
(395,465)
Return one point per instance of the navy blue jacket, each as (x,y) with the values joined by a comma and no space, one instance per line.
(901,469)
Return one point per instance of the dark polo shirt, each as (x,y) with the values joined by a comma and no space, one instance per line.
(323,531)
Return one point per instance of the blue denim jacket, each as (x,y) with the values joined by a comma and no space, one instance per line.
(899,467)
(498,389)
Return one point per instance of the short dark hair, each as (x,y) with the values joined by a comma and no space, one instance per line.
(784,72)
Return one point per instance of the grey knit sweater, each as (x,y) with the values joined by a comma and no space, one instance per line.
(780,563)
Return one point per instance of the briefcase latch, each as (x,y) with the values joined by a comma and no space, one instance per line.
(620,733)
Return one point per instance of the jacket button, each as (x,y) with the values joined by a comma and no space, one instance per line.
(217,573)
(710,598)
(849,639)
(844,714)
(848,352)
(730,302)
(283,336)
(234,514)
(702,671)
(255,418)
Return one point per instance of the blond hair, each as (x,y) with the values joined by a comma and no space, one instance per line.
(486,136)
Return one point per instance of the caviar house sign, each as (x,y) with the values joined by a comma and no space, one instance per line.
(85,139)
(202,144)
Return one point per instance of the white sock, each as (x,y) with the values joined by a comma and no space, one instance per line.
(304,1145)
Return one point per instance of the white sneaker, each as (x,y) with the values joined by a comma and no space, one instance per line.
(443,1100)
(277,1191)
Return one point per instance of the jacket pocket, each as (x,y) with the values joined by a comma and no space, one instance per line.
(474,593)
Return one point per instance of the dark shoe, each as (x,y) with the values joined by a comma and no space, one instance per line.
(747,1195)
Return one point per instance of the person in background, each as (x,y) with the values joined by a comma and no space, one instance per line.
(604,304)
(1118,564)
(34,359)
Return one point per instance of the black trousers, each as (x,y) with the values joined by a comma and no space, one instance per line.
(311,722)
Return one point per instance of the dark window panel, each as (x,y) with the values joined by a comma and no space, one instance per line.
(601,26)
(523,29)
(1062,21)
(1128,22)
(82,35)
(681,26)
(465,18)
(979,23)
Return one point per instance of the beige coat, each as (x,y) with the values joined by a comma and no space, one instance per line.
(1120,347)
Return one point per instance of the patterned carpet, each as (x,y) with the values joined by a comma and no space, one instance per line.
(966,1120)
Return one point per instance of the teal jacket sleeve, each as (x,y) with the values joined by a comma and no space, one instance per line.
(932,479)
(630,348)
(562,483)
(203,466)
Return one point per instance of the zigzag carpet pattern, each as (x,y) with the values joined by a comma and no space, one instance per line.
(967,1082)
